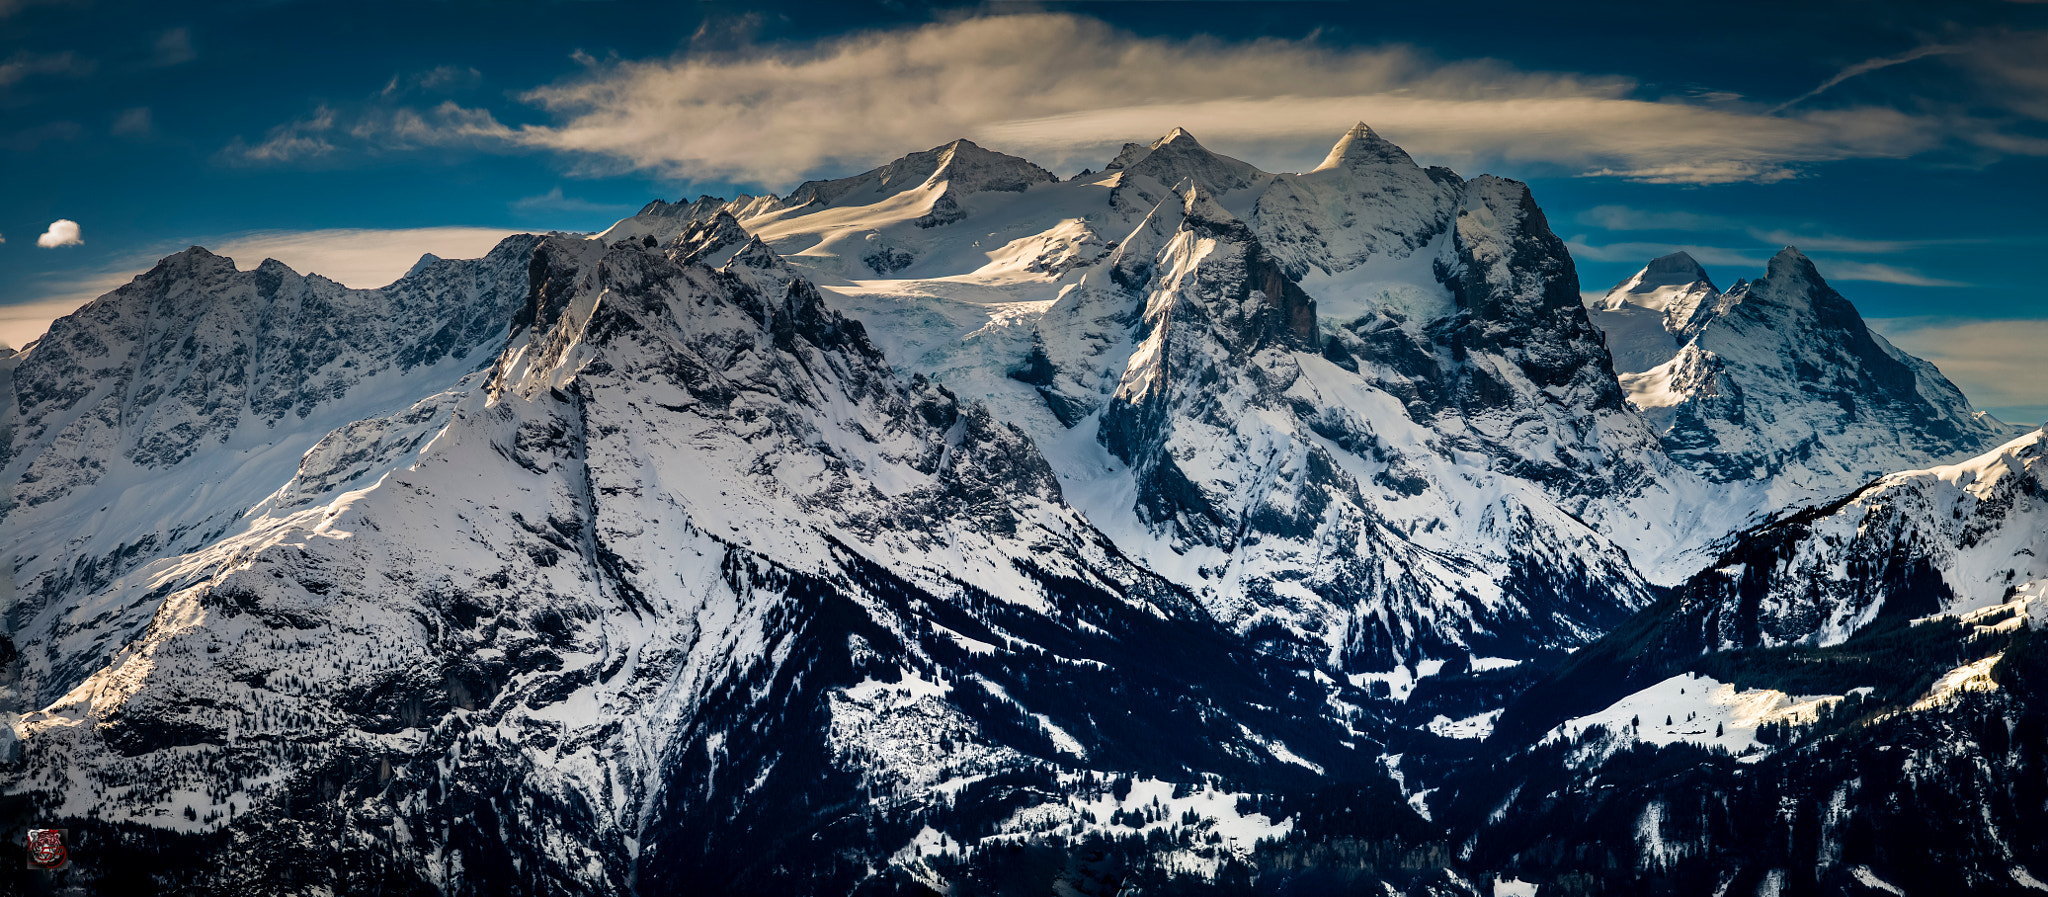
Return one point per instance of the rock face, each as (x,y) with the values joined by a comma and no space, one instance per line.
(1780,381)
(152,420)
(690,553)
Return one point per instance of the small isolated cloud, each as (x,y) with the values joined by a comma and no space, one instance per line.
(136,122)
(62,232)
(1998,364)
(554,202)
(174,47)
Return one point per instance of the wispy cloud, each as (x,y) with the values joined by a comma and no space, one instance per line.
(1867,66)
(554,201)
(440,79)
(1998,364)
(28,139)
(1642,253)
(1068,90)
(174,47)
(136,122)
(1057,85)
(326,132)
(24,65)
(1878,273)
(294,141)
(1834,269)
(1831,243)
(1613,217)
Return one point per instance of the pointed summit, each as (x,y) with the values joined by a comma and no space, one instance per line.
(1361,146)
(1179,156)
(1790,262)
(1197,204)
(1676,269)
(1647,317)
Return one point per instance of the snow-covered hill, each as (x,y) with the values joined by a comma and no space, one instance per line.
(1779,381)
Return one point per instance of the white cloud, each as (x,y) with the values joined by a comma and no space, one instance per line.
(358,258)
(1998,364)
(325,132)
(1068,90)
(62,232)
(294,141)
(1061,87)
(1870,65)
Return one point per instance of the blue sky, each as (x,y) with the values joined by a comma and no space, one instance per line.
(1902,145)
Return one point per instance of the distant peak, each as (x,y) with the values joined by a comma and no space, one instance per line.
(1363,146)
(1790,262)
(1174,135)
(1676,269)
(1126,157)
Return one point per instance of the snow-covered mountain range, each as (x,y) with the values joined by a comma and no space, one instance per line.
(1779,380)
(864,537)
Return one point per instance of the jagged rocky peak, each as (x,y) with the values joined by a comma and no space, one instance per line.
(964,166)
(1650,287)
(1362,146)
(1178,157)
(1780,380)
(1645,318)
(702,207)
(1367,200)
(705,241)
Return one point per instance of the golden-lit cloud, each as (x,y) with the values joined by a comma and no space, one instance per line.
(1068,90)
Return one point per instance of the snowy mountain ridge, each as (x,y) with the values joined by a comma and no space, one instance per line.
(849,540)
(1780,380)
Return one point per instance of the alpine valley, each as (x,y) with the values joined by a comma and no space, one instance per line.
(955,528)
